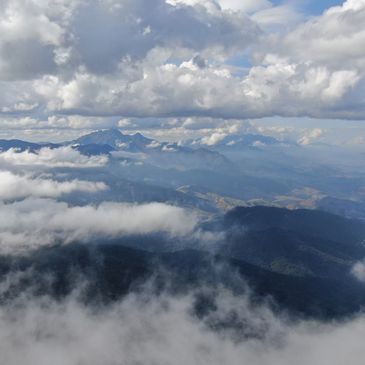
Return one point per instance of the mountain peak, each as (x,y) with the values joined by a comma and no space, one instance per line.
(114,138)
(139,137)
(109,137)
(111,132)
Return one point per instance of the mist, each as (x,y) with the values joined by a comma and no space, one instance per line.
(150,328)
(31,223)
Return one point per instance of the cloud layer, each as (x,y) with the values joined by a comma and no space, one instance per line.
(30,223)
(149,329)
(14,186)
(51,158)
(175,58)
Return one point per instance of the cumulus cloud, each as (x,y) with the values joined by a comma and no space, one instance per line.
(31,31)
(311,136)
(72,33)
(33,222)
(282,87)
(278,86)
(67,40)
(219,134)
(52,157)
(247,6)
(150,329)
(275,18)
(13,186)
(333,39)
(321,58)
(173,58)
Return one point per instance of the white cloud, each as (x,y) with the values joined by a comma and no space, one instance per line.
(217,135)
(150,329)
(333,39)
(277,87)
(213,139)
(49,158)
(39,37)
(277,17)
(311,136)
(14,186)
(31,33)
(163,59)
(245,5)
(49,45)
(33,222)
(358,271)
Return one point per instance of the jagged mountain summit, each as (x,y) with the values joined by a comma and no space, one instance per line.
(116,140)
(166,154)
(135,146)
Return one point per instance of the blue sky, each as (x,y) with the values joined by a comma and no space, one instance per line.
(318,6)
(314,7)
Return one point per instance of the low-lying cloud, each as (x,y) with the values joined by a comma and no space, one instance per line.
(358,271)
(150,329)
(52,157)
(34,222)
(13,186)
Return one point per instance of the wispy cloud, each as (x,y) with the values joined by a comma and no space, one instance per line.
(13,186)
(173,58)
(30,223)
(146,328)
(51,157)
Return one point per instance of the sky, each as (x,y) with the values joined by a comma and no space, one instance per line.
(75,65)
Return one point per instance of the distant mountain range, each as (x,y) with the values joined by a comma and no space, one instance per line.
(237,170)
(19,145)
(163,154)
(116,140)
(106,142)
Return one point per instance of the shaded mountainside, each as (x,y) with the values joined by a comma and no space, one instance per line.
(292,253)
(112,270)
(19,145)
(303,243)
(314,223)
(309,275)
(344,207)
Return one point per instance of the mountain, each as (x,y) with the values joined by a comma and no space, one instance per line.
(93,149)
(292,253)
(301,243)
(163,154)
(345,207)
(315,223)
(112,270)
(19,145)
(116,140)
(122,189)
(137,146)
